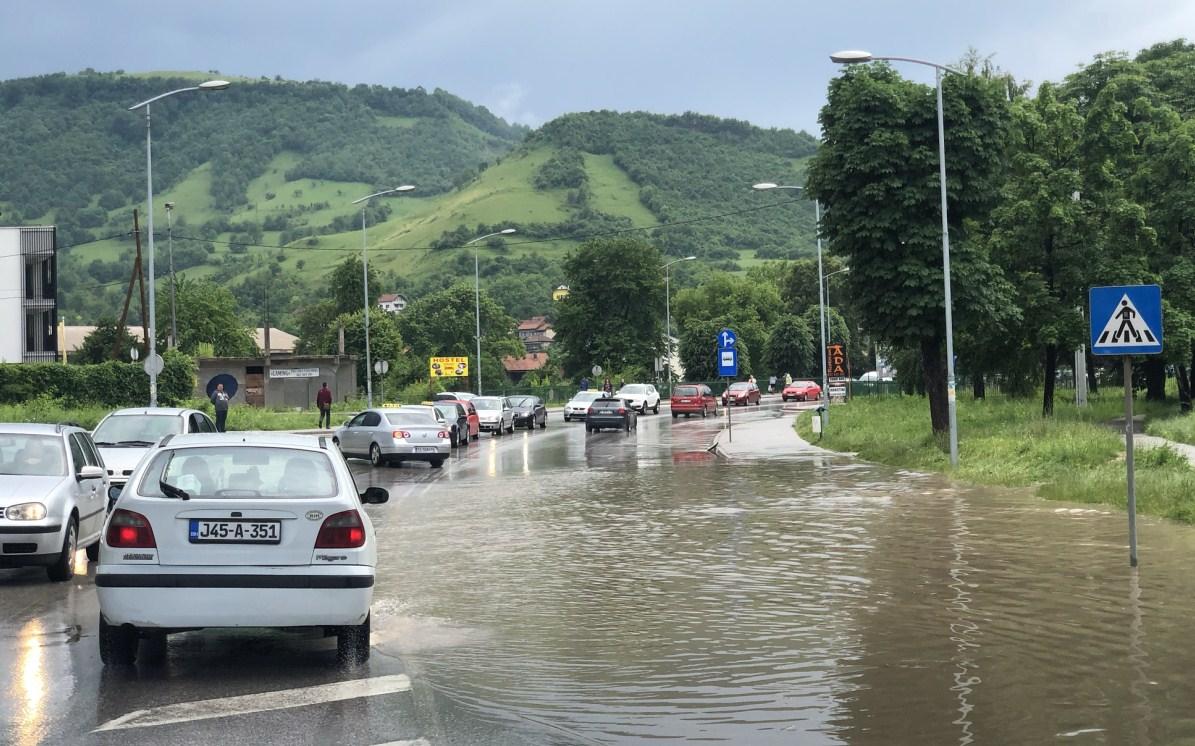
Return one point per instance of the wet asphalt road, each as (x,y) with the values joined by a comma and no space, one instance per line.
(57,691)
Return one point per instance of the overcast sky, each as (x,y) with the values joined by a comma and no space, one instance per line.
(764,61)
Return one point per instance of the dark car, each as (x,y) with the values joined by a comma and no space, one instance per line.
(455,414)
(740,393)
(529,411)
(612,413)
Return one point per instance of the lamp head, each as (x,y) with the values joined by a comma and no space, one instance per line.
(851,57)
(507,231)
(765,185)
(405,188)
(689,258)
(214,85)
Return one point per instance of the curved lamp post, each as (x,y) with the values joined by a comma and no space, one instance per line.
(821,296)
(668,313)
(365,277)
(152,360)
(851,57)
(477,294)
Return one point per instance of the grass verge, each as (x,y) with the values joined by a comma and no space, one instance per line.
(1072,456)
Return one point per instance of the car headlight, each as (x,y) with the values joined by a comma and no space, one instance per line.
(26,512)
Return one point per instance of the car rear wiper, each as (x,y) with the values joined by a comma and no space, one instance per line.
(169,490)
(135,443)
(104,443)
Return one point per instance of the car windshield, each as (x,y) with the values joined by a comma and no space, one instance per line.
(411,419)
(804,384)
(32,455)
(685,391)
(137,429)
(584,396)
(239,471)
(633,388)
(522,401)
(487,402)
(740,386)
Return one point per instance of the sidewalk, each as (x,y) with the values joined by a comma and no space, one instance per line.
(1153,441)
(768,438)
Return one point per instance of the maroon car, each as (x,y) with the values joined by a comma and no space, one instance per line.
(693,398)
(741,393)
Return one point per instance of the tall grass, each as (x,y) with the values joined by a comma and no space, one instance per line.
(1074,455)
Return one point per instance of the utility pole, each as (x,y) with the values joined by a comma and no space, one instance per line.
(136,277)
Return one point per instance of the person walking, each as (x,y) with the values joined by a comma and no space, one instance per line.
(788,378)
(323,402)
(772,384)
(584,383)
(607,387)
(220,401)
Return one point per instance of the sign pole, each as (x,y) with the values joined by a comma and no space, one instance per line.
(1128,458)
(729,406)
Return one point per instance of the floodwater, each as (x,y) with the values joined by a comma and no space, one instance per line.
(615,588)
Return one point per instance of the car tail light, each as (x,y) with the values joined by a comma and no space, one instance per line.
(622,410)
(341,531)
(130,530)
(442,434)
(589,411)
(400,434)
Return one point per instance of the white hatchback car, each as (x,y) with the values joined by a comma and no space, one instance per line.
(244,530)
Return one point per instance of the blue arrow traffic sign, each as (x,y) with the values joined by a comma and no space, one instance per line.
(1126,320)
(728,363)
(726,339)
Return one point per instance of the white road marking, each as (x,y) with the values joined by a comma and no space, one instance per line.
(262,702)
(416,742)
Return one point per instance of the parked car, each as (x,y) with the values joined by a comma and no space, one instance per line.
(610,412)
(245,530)
(642,396)
(471,413)
(495,413)
(693,398)
(741,393)
(454,396)
(801,391)
(576,407)
(53,490)
(874,376)
(529,411)
(446,419)
(391,436)
(454,412)
(124,436)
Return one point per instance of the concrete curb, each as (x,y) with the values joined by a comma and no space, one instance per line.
(775,436)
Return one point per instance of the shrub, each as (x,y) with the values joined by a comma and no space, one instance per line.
(110,384)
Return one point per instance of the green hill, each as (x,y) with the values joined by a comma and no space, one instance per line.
(262,175)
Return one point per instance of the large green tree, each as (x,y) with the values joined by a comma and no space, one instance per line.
(614,312)
(791,348)
(107,338)
(207,313)
(347,290)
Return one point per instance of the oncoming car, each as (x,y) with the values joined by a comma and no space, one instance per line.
(124,436)
(578,406)
(245,530)
(801,391)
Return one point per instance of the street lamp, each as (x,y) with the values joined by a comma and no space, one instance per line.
(365,286)
(826,279)
(821,297)
(477,294)
(153,361)
(170,257)
(668,313)
(851,57)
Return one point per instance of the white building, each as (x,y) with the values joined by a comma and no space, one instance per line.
(28,294)
(392,302)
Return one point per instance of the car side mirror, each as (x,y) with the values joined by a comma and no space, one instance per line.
(90,472)
(114,491)
(374,496)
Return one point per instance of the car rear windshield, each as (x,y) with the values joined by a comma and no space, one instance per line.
(32,455)
(411,419)
(239,471)
(685,391)
(487,402)
(522,401)
(137,428)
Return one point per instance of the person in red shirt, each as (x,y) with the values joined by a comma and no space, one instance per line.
(323,400)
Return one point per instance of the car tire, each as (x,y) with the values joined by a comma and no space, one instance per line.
(588,428)
(118,644)
(465,441)
(704,413)
(675,415)
(64,567)
(93,552)
(352,644)
(543,425)
(336,442)
(628,426)
(437,463)
(656,408)
(478,435)
(152,648)
(511,429)
(375,455)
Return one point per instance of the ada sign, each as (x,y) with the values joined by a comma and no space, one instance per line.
(1126,320)
(728,363)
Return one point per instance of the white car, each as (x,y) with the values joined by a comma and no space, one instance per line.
(244,530)
(642,396)
(494,414)
(578,406)
(124,436)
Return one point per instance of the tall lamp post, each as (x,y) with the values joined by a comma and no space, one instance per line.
(826,279)
(821,297)
(477,293)
(153,361)
(852,57)
(170,259)
(364,202)
(668,314)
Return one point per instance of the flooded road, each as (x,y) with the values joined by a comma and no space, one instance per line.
(553,587)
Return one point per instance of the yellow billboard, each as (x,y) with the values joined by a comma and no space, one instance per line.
(448,367)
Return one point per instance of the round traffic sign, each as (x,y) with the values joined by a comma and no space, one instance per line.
(596,370)
(154,364)
(381,366)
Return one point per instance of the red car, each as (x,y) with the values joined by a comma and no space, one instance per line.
(471,414)
(801,391)
(741,393)
(693,398)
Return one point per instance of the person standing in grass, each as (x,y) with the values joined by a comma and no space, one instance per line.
(323,400)
(220,401)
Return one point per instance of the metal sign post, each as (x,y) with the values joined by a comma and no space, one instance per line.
(1126,320)
(728,368)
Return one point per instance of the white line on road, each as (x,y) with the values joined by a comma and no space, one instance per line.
(262,702)
(416,742)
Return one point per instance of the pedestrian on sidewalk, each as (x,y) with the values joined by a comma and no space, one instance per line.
(607,387)
(584,383)
(220,401)
(772,384)
(323,401)
(788,378)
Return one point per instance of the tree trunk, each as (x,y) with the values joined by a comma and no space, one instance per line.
(1093,385)
(1047,402)
(977,386)
(933,372)
(1155,379)
(1184,388)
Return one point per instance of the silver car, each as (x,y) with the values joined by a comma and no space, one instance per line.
(124,436)
(495,414)
(53,490)
(391,436)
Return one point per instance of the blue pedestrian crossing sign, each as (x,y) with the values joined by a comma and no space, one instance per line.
(1126,320)
(728,363)
(726,339)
